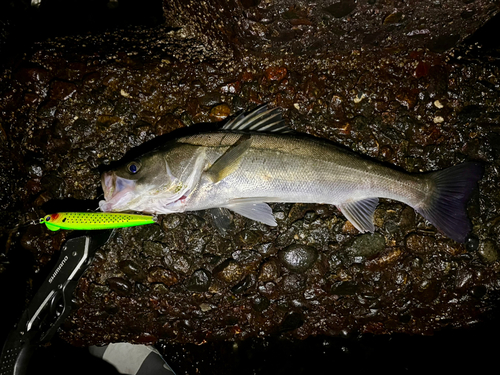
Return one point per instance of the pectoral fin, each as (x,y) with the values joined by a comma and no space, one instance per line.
(222,218)
(230,160)
(257,211)
(360,213)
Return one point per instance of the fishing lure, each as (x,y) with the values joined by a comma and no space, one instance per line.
(94,220)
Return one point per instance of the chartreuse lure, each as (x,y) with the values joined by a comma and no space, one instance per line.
(94,220)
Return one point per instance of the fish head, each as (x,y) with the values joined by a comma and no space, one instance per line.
(145,184)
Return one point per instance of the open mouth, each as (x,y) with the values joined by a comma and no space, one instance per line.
(108,184)
(117,192)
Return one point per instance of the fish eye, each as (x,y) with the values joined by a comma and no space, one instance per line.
(134,167)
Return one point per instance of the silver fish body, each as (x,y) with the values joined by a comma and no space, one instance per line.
(285,168)
(243,171)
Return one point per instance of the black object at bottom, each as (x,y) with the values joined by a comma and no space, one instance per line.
(51,304)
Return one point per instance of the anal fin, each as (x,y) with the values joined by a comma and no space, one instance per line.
(360,213)
(257,211)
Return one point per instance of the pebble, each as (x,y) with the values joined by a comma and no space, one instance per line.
(162,275)
(132,270)
(153,249)
(344,288)
(366,245)
(269,271)
(119,285)
(488,251)
(180,262)
(298,258)
(220,112)
(293,283)
(199,281)
(260,303)
(249,237)
(341,8)
(292,321)
(171,221)
(248,259)
(244,284)
(276,73)
(472,243)
(228,271)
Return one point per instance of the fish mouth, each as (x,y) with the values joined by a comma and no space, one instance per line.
(118,192)
(108,181)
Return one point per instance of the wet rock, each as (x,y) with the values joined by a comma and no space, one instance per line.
(153,249)
(209,100)
(292,321)
(298,258)
(267,249)
(228,271)
(248,260)
(345,288)
(220,112)
(62,90)
(162,275)
(292,283)
(97,291)
(443,43)
(269,290)
(171,221)
(366,246)
(249,237)
(132,269)
(488,251)
(269,270)
(479,291)
(178,261)
(472,243)
(381,99)
(199,281)
(245,284)
(260,303)
(418,243)
(276,73)
(119,285)
(341,8)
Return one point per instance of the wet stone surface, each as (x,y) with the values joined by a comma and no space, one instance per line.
(73,105)
(298,258)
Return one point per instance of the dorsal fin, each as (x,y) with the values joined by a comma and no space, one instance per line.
(261,119)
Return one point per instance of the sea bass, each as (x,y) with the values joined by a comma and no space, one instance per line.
(256,159)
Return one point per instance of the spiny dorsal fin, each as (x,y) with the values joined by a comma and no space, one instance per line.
(230,160)
(261,119)
(360,213)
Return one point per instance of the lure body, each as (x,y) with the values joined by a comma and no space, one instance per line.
(94,220)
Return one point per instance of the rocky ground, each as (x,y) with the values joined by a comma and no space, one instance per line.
(399,84)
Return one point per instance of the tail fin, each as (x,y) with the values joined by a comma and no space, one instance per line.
(446,208)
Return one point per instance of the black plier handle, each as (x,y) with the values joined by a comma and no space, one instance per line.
(51,304)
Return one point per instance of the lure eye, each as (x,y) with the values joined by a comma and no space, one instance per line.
(134,167)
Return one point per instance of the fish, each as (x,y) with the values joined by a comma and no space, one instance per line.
(255,159)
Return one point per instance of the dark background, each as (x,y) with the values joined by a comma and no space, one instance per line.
(473,349)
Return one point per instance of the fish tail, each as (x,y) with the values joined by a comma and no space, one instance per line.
(446,206)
